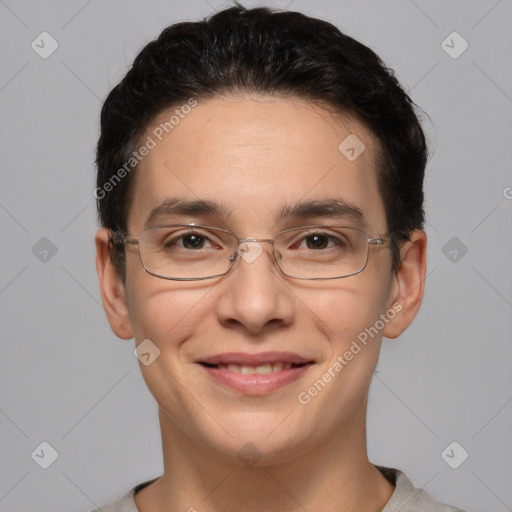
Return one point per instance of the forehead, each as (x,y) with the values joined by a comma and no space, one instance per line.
(256,156)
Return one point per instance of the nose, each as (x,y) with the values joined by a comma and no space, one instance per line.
(254,296)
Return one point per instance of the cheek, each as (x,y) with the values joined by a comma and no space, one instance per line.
(342,313)
(165,312)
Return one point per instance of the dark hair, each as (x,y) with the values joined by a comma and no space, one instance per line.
(264,51)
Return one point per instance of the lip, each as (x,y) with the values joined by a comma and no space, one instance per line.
(255,359)
(255,384)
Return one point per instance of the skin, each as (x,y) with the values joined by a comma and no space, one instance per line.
(254,154)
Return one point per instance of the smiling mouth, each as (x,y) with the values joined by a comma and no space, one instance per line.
(262,369)
(255,374)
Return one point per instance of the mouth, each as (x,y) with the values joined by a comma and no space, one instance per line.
(256,374)
(261,369)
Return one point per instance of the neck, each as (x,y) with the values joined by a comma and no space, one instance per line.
(333,475)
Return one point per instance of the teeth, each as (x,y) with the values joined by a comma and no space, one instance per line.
(263,369)
(277,367)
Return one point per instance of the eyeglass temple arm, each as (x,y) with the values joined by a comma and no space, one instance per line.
(119,238)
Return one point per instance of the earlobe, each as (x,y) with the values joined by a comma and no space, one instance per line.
(113,292)
(408,284)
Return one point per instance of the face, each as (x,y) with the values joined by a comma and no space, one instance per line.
(255,157)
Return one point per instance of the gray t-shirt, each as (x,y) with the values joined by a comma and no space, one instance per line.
(405,498)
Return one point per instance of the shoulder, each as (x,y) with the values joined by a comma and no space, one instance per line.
(408,498)
(126,503)
(123,504)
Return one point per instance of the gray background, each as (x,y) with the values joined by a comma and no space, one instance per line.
(65,378)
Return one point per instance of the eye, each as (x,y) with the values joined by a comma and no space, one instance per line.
(193,241)
(187,241)
(320,240)
(317,241)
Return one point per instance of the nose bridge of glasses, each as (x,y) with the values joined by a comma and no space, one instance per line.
(251,239)
(249,248)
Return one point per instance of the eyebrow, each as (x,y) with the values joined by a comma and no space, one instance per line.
(175,206)
(335,208)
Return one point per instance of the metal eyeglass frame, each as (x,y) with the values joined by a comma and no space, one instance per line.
(120,238)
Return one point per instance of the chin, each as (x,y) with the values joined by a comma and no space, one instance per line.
(259,439)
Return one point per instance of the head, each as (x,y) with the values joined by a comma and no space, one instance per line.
(249,110)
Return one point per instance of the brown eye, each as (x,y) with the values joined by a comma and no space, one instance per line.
(186,240)
(193,241)
(317,241)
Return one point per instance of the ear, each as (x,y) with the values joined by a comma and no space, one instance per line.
(113,292)
(408,284)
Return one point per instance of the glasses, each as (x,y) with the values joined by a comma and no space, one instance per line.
(191,252)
